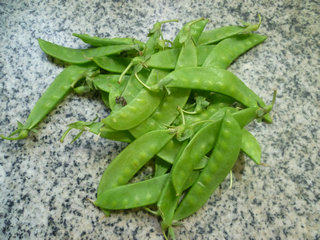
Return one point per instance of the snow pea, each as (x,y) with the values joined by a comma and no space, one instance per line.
(250,146)
(226,51)
(222,159)
(132,158)
(218,34)
(132,195)
(80,56)
(54,94)
(100,42)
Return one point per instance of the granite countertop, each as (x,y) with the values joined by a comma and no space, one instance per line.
(44,185)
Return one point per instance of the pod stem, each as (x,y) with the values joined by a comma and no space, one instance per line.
(125,71)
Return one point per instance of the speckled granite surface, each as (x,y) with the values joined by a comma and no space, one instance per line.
(44,184)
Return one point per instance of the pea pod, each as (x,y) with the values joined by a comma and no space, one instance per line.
(132,195)
(226,51)
(128,162)
(100,42)
(218,34)
(221,161)
(80,56)
(212,79)
(55,93)
(250,146)
(140,108)
(106,82)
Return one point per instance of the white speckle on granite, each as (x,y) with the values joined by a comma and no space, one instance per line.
(45,184)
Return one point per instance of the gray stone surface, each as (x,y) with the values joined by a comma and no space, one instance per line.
(44,184)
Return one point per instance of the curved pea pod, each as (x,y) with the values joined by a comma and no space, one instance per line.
(55,93)
(167,59)
(226,51)
(115,93)
(100,42)
(113,64)
(132,195)
(140,108)
(250,146)
(80,56)
(218,34)
(212,79)
(221,161)
(132,158)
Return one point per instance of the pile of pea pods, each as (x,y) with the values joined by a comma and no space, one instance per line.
(176,105)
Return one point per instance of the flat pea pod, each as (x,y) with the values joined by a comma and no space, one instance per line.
(132,158)
(218,34)
(80,56)
(100,42)
(113,64)
(140,108)
(168,200)
(201,143)
(168,58)
(212,79)
(226,51)
(222,159)
(250,146)
(54,94)
(132,195)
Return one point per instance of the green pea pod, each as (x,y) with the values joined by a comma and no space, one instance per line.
(113,64)
(54,94)
(250,146)
(132,195)
(167,59)
(212,79)
(100,42)
(140,108)
(132,158)
(222,159)
(218,34)
(201,143)
(226,51)
(80,56)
